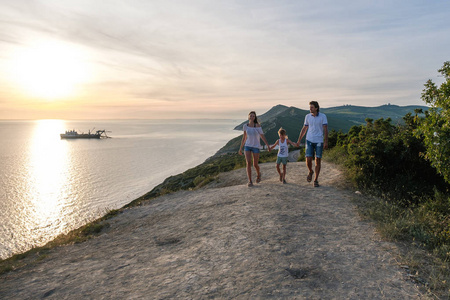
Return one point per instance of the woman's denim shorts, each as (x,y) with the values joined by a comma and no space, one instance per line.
(251,149)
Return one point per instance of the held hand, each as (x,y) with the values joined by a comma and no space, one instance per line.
(240,151)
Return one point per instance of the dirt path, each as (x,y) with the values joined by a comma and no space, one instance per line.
(227,241)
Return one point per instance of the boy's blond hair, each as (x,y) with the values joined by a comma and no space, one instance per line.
(282,131)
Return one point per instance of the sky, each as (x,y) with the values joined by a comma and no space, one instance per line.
(142,59)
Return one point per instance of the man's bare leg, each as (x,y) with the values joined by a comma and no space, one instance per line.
(318,165)
(310,170)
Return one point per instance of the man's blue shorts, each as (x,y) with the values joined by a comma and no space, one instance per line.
(251,149)
(312,148)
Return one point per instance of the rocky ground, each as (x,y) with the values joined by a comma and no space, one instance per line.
(227,241)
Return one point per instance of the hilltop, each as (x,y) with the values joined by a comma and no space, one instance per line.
(340,118)
(226,241)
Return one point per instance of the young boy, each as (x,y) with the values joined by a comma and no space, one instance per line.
(282,153)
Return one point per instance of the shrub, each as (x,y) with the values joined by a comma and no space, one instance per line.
(301,155)
(434,128)
(386,160)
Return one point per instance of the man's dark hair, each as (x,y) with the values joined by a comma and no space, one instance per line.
(316,105)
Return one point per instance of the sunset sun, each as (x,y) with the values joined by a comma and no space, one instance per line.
(49,70)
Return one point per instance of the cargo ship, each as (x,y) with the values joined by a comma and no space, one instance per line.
(73,134)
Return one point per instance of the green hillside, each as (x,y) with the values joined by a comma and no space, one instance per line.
(270,114)
(358,114)
(339,118)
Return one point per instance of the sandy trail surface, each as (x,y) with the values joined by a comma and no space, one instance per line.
(227,241)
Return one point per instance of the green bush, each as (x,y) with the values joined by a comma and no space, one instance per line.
(434,128)
(386,160)
(301,155)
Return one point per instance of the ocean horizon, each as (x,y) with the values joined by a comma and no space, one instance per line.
(51,186)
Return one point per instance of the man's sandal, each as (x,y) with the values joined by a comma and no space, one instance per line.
(316,183)
(258,179)
(249,184)
(309,177)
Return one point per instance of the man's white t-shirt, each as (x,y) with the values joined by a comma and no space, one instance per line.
(315,127)
(253,136)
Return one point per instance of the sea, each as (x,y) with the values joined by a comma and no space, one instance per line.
(50,186)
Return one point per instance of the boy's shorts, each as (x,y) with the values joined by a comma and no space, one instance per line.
(251,149)
(282,160)
(313,147)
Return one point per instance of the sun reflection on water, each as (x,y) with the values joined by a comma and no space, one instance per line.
(47,177)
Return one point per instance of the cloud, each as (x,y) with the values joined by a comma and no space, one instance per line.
(189,52)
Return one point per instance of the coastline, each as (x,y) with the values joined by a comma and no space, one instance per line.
(171,184)
(226,240)
(71,183)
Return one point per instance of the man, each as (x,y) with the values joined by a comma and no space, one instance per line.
(316,125)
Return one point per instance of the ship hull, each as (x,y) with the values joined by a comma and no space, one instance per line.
(79,136)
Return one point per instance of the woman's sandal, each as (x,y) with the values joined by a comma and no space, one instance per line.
(249,184)
(309,177)
(316,183)
(258,179)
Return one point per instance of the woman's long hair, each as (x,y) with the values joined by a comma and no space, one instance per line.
(256,118)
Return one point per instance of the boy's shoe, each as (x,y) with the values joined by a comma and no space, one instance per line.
(316,183)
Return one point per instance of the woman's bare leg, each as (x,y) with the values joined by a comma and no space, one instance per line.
(248,159)
(255,164)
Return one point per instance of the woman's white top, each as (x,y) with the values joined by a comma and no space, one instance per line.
(283,148)
(253,136)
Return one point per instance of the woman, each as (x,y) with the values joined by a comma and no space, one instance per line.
(252,133)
